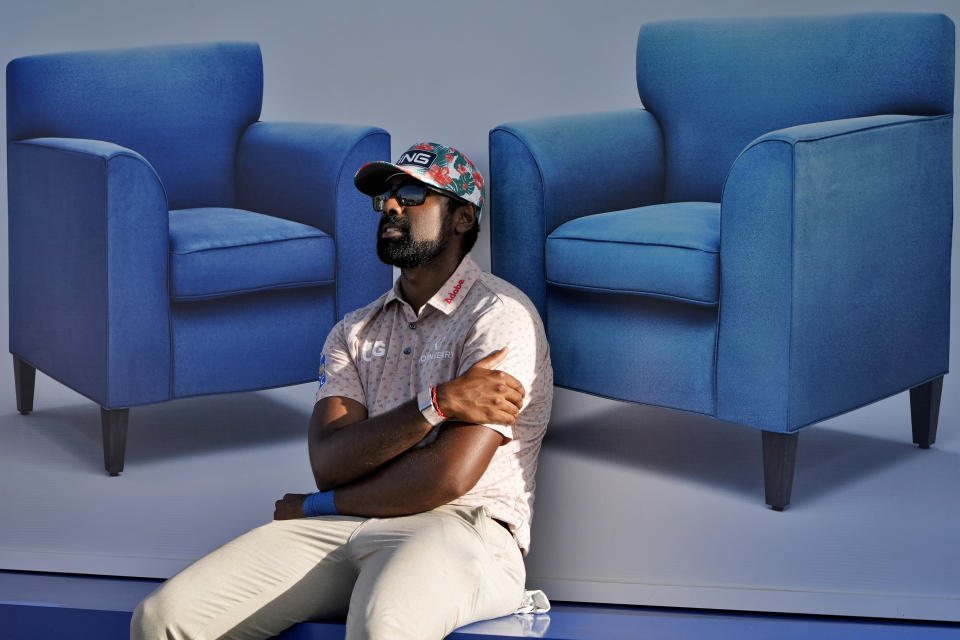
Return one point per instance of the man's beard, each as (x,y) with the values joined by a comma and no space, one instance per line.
(405,252)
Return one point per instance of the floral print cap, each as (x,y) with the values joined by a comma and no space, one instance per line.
(435,164)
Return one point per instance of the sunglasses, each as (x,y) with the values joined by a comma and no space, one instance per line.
(408,194)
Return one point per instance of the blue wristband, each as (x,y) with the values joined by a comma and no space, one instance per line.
(320,504)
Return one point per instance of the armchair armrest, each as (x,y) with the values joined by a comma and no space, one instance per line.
(546,172)
(304,172)
(89,242)
(835,268)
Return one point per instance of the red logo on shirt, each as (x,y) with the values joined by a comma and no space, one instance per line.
(453,294)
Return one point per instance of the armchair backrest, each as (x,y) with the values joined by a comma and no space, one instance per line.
(183,108)
(715,85)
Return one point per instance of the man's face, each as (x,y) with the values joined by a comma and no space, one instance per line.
(411,236)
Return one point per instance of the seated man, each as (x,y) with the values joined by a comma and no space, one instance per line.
(432,404)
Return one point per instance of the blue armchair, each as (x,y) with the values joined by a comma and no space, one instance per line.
(767,242)
(163,241)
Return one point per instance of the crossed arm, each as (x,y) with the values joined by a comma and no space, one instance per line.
(370,462)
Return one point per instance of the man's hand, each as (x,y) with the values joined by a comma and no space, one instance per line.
(290,507)
(482,395)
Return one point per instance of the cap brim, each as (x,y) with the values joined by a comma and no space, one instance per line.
(372,178)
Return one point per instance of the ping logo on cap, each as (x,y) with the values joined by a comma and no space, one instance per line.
(417,158)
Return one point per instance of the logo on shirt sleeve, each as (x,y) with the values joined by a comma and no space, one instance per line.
(322,375)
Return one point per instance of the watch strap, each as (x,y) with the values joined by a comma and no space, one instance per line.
(429,412)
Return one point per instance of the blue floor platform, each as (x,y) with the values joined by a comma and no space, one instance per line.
(37,606)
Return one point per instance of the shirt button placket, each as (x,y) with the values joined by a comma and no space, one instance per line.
(407,350)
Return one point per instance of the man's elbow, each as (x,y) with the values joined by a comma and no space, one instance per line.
(438,495)
(323,483)
(455,483)
(321,477)
(324,474)
(328,477)
(460,468)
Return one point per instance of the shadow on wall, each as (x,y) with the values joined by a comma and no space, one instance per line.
(727,456)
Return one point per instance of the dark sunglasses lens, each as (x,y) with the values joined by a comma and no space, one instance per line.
(408,195)
(411,194)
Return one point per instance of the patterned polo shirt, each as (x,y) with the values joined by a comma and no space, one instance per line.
(385,353)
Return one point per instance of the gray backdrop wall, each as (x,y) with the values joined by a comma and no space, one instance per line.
(628,511)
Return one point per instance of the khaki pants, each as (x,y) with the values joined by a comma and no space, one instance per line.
(417,577)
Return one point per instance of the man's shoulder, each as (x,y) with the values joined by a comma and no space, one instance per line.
(353,322)
(363,314)
(504,292)
(493,293)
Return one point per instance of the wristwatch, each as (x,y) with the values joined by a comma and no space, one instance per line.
(425,402)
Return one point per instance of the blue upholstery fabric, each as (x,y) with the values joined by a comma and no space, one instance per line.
(666,251)
(827,143)
(852,223)
(217,252)
(88,268)
(130,303)
(715,85)
(304,172)
(557,169)
(183,108)
(634,348)
(242,342)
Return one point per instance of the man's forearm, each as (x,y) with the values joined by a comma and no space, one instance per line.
(342,455)
(423,479)
(346,445)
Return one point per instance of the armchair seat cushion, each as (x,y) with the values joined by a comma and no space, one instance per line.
(217,252)
(665,251)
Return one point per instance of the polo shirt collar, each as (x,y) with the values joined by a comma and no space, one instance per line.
(447,299)
(393,294)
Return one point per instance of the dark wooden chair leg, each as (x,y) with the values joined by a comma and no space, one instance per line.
(925,411)
(24,380)
(114,423)
(779,460)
